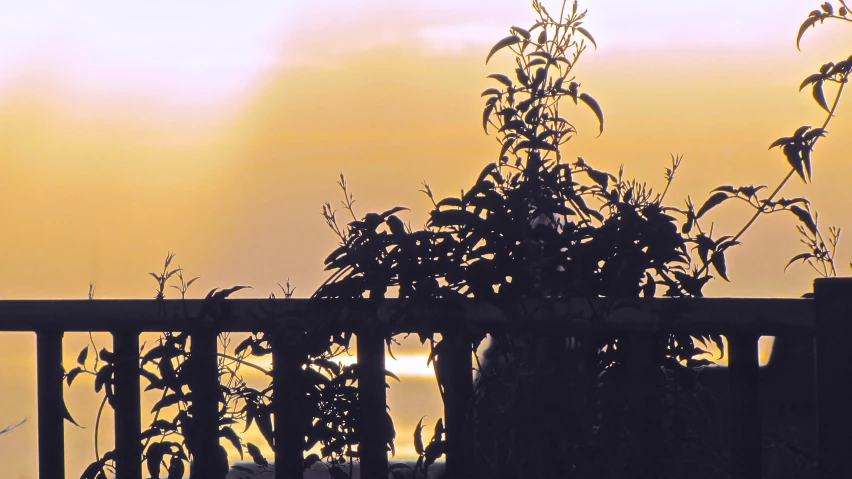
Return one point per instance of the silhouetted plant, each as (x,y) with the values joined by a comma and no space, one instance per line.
(536,226)
(165,439)
(330,396)
(428,454)
(797,149)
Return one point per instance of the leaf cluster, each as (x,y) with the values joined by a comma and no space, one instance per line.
(426,456)
(329,396)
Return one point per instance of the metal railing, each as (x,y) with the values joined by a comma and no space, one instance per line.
(826,317)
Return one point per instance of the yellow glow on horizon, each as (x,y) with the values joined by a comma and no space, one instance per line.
(221,144)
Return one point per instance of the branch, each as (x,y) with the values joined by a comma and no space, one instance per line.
(762,207)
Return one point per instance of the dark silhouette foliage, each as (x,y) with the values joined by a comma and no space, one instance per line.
(536,226)
(330,397)
(533,226)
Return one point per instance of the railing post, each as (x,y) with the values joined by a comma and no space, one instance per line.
(372,399)
(743,367)
(645,382)
(128,419)
(833,301)
(208,462)
(456,356)
(288,398)
(51,429)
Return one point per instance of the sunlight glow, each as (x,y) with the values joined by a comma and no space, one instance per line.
(217,129)
(406,366)
(204,51)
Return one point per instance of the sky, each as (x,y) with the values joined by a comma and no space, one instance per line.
(216,131)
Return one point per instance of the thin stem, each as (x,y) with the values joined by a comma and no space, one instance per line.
(244,362)
(837,17)
(94,349)
(811,264)
(670,176)
(97,427)
(665,190)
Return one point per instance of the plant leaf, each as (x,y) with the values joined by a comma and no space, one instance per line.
(814,133)
(781,141)
(522,32)
(819,95)
(393,211)
(523,78)
(154,456)
(69,378)
(650,286)
(230,435)
(81,358)
(806,159)
(800,132)
(510,40)
(501,78)
(588,35)
(256,455)
(802,256)
(168,400)
(176,468)
(67,415)
(229,291)
(809,22)
(418,437)
(718,261)
(792,153)
(805,217)
(486,114)
(596,108)
(711,202)
(810,79)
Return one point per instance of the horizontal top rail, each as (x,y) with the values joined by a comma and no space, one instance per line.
(763,316)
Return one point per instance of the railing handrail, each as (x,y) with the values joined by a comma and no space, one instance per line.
(762,316)
(741,320)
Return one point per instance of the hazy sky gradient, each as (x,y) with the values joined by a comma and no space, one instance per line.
(216,130)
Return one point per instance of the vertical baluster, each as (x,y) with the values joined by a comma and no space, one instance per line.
(833,298)
(457,363)
(373,403)
(51,429)
(208,462)
(745,407)
(128,420)
(288,396)
(645,389)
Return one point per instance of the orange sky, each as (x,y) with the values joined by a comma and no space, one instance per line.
(116,149)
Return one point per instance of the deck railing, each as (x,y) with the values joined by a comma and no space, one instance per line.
(826,317)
